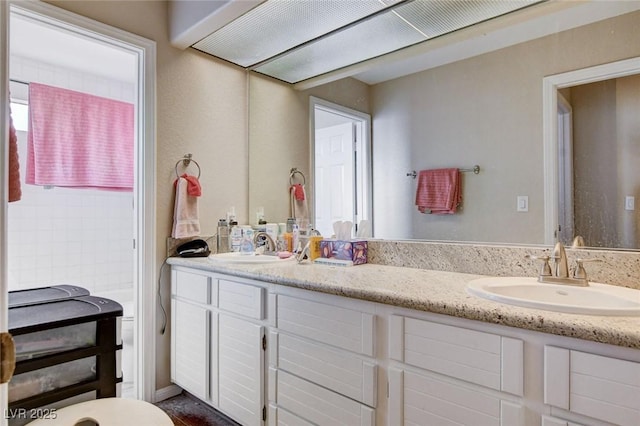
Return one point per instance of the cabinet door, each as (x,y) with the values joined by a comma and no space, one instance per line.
(423,399)
(596,386)
(190,340)
(240,370)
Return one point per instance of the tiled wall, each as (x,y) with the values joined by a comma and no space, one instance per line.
(69,236)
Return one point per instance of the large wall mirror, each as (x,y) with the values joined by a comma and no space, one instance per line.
(486,109)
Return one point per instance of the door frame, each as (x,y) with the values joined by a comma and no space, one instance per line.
(144,177)
(4,177)
(565,171)
(363,172)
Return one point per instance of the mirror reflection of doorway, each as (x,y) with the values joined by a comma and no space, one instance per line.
(565,171)
(341,165)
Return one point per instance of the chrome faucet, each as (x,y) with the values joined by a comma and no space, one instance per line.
(560,272)
(261,238)
(560,261)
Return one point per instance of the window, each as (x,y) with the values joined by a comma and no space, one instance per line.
(20,116)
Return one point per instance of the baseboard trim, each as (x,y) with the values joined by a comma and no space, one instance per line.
(168,392)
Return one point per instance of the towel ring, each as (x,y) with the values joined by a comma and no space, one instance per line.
(185,162)
(292,174)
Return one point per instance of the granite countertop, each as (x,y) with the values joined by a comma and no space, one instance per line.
(427,290)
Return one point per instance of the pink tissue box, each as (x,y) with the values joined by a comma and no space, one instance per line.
(353,250)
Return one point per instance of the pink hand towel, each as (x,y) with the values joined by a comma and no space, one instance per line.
(298,191)
(299,208)
(438,191)
(193,185)
(185,213)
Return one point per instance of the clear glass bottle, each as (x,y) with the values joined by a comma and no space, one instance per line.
(223,236)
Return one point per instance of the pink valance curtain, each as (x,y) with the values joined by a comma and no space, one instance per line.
(79,140)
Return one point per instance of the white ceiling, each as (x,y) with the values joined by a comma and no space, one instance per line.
(35,40)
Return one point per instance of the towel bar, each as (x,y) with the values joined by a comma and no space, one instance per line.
(475,169)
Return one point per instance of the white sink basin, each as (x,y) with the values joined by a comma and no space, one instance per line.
(236,257)
(597,299)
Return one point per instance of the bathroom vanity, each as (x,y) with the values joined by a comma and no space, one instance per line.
(383,345)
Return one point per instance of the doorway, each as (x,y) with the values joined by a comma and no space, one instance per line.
(134,282)
(341,162)
(565,171)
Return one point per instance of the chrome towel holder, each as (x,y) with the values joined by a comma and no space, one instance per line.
(294,171)
(186,161)
(475,169)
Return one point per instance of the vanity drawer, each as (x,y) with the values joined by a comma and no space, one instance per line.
(486,359)
(337,370)
(422,399)
(243,299)
(593,385)
(337,326)
(318,405)
(191,286)
(280,417)
(552,421)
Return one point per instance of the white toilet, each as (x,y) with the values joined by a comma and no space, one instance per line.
(108,412)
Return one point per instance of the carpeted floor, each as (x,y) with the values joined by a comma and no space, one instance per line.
(186,410)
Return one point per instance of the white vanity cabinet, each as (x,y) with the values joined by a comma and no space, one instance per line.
(218,340)
(263,352)
(600,387)
(322,369)
(452,375)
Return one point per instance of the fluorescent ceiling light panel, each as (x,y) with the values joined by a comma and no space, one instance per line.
(279,25)
(435,18)
(382,34)
(294,40)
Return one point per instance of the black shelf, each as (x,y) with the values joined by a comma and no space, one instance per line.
(70,326)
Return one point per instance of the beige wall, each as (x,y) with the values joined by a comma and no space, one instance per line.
(201,109)
(279,138)
(485,110)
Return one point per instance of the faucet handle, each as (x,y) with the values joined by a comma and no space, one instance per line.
(580,272)
(545,268)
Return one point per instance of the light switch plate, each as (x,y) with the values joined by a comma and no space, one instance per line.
(629,202)
(522,203)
